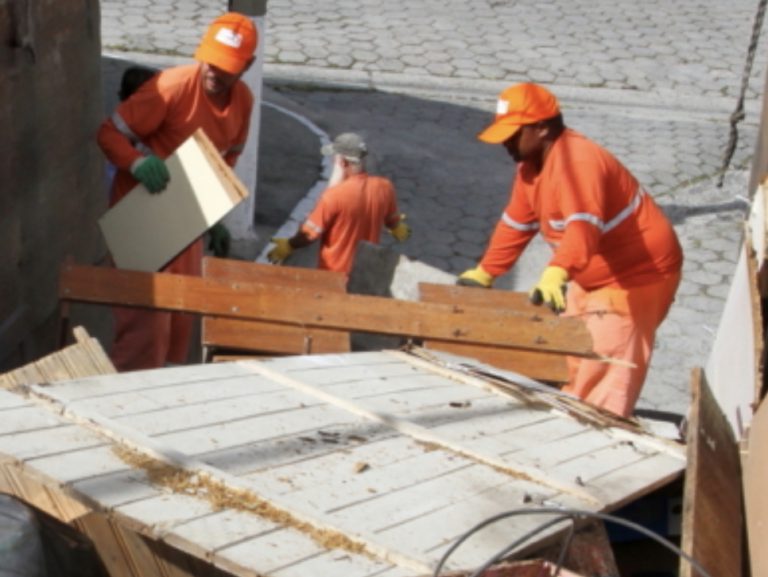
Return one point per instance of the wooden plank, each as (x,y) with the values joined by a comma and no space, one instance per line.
(712,505)
(323,309)
(144,231)
(41,492)
(246,271)
(83,358)
(264,337)
(755,494)
(115,558)
(537,365)
(181,381)
(160,514)
(270,338)
(734,367)
(590,552)
(424,435)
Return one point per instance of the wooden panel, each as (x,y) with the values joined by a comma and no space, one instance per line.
(354,464)
(712,505)
(755,494)
(263,337)
(323,309)
(537,365)
(144,231)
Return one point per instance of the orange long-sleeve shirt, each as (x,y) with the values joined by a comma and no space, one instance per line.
(605,230)
(354,210)
(163,113)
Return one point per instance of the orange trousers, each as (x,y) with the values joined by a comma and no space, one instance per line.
(622,323)
(148,339)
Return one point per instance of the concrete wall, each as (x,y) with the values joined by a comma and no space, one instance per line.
(52,186)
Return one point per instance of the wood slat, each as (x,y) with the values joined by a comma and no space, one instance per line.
(755,495)
(264,337)
(712,500)
(323,309)
(537,365)
(83,358)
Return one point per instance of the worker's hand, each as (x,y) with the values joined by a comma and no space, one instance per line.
(476,277)
(550,290)
(401,231)
(281,251)
(151,172)
(219,240)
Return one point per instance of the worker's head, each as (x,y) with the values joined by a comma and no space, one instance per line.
(349,150)
(527,119)
(227,51)
(132,79)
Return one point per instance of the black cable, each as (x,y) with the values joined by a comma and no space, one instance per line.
(564,513)
(738,114)
(511,547)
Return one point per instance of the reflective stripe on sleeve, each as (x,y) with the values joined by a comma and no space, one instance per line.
(123,127)
(604,227)
(624,214)
(521,226)
(577,216)
(313,227)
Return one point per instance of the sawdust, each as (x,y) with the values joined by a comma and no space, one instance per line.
(221,496)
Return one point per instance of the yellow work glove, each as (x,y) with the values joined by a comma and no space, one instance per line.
(401,231)
(281,251)
(476,277)
(550,290)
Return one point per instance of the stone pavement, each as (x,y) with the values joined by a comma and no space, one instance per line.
(655,82)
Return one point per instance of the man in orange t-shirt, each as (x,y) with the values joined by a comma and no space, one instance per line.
(147,128)
(348,212)
(612,245)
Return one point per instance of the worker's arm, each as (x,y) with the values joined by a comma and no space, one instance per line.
(400,230)
(132,121)
(284,247)
(517,226)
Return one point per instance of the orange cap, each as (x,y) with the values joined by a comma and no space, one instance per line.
(229,43)
(521,104)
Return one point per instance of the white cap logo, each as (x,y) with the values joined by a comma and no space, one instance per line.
(229,38)
(502,107)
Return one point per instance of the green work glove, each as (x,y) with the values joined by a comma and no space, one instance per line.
(281,251)
(550,290)
(476,277)
(219,240)
(151,172)
(401,231)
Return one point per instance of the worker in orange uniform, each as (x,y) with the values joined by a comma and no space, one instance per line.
(612,245)
(353,210)
(160,116)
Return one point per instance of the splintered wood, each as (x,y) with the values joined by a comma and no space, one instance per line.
(349,464)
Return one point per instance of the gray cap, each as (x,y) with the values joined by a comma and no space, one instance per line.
(349,145)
